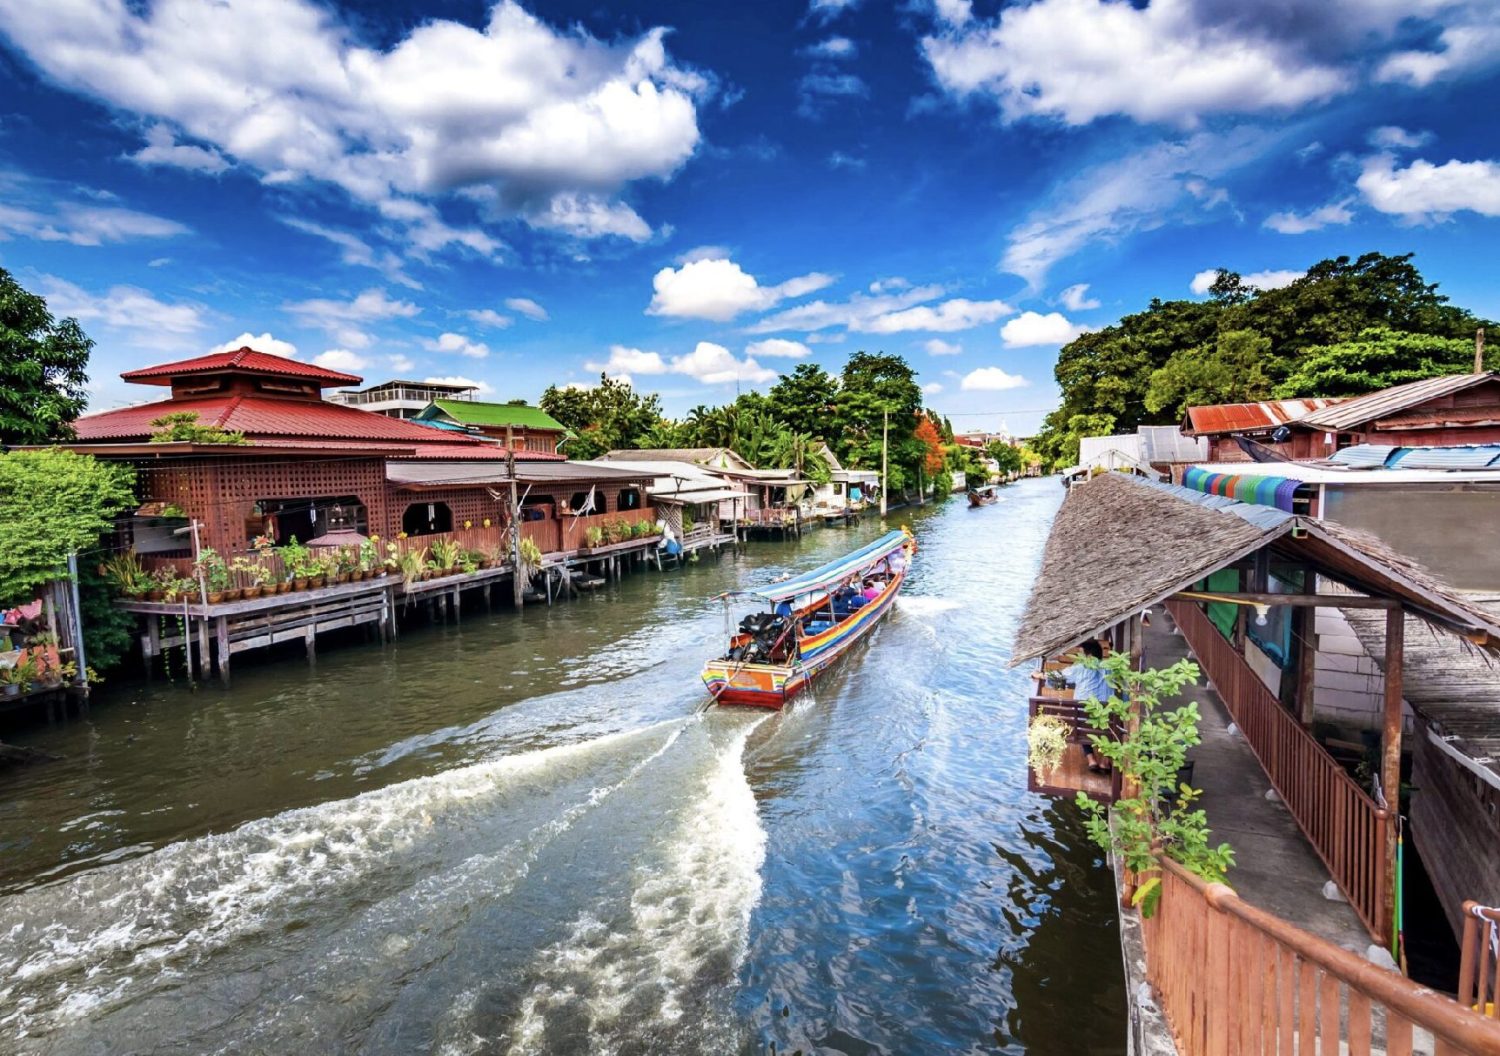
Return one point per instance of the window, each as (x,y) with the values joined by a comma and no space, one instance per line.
(427,518)
(630,499)
(306,518)
(579,503)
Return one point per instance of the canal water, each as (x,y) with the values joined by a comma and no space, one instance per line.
(517,835)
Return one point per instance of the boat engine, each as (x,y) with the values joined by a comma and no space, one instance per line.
(766,630)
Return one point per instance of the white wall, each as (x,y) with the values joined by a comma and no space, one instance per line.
(1348,687)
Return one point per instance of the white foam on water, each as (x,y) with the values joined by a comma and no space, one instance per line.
(78,946)
(688,919)
(925,607)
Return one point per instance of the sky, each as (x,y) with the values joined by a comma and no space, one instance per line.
(698,196)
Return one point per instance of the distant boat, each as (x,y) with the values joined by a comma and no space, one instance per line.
(984,496)
(808,623)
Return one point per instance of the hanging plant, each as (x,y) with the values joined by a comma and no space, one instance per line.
(1046,740)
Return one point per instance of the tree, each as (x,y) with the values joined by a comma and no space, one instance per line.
(933,460)
(1006,457)
(1231,371)
(1377,359)
(872,386)
(604,417)
(1061,445)
(42,368)
(806,400)
(53,503)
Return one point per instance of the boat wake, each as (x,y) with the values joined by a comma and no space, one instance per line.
(362,918)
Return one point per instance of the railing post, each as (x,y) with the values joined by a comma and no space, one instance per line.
(1390,769)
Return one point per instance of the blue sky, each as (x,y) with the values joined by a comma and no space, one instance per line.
(701,195)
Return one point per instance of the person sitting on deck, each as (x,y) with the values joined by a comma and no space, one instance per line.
(845,600)
(872,590)
(1090,684)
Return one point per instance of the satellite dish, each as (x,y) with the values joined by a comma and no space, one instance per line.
(1281,434)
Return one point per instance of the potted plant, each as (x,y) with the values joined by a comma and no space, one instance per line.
(445,554)
(161,581)
(530,560)
(125,571)
(411,564)
(19,678)
(594,536)
(369,557)
(211,569)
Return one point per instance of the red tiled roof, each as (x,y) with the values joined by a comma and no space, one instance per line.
(272,421)
(1249,417)
(246,360)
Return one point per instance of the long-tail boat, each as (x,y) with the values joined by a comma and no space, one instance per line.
(808,622)
(983,496)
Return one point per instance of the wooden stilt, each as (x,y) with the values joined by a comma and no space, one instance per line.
(221,633)
(1390,763)
(310,643)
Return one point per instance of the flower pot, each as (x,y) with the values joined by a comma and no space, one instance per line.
(155,595)
(11,689)
(215,597)
(251,592)
(300,583)
(279,588)
(235,594)
(315,582)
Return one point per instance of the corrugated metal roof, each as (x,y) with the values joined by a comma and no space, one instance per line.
(472,412)
(1250,417)
(1364,456)
(1350,414)
(244,359)
(1165,443)
(1480,456)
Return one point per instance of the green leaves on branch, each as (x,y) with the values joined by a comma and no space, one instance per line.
(53,503)
(1379,358)
(1162,815)
(42,368)
(183,427)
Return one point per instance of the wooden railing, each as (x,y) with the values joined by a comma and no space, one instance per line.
(1233,979)
(1345,826)
(1479,963)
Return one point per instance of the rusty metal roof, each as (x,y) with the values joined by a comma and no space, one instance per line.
(1250,417)
(1351,414)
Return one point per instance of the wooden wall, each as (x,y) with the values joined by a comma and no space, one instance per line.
(1455,821)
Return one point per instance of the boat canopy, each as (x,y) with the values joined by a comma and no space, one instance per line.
(827,576)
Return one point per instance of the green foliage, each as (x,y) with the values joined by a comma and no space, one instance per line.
(806,399)
(1061,446)
(1377,359)
(605,417)
(42,368)
(108,630)
(53,503)
(1244,343)
(1008,457)
(1149,758)
(183,427)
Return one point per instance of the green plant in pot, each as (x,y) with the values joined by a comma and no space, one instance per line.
(411,564)
(125,572)
(594,536)
(445,554)
(294,559)
(214,573)
(529,562)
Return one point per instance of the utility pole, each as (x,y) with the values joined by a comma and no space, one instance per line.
(1479,351)
(518,588)
(885,462)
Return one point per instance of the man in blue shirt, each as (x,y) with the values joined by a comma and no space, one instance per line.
(1090,684)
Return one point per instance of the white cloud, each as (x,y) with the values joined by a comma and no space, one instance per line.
(827,10)
(489,317)
(162,148)
(719,289)
(83,225)
(1464,47)
(715,365)
(527,307)
(1392,137)
(991,379)
(704,253)
(821,87)
(834,48)
(857,313)
(339,359)
(839,160)
(1261,280)
(262,342)
(938,347)
(1124,195)
(1290,223)
(932,388)
(1032,328)
(778,347)
(149,322)
(482,387)
(943,318)
(1077,299)
(1079,60)
(557,121)
(1423,191)
(400,364)
(1203,281)
(450,342)
(625,361)
(953,12)
(355,251)
(342,319)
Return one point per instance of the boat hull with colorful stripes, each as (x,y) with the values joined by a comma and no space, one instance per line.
(772,685)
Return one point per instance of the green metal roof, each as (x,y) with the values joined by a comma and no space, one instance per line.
(470,412)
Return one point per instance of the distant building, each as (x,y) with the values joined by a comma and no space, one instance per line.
(530,428)
(1219,424)
(401,399)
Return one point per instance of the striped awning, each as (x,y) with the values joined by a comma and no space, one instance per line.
(828,576)
(1244,487)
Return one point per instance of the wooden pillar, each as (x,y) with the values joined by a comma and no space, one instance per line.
(1390,763)
(203,653)
(310,642)
(221,633)
(1305,637)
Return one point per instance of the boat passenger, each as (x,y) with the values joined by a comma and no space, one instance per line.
(896,562)
(872,590)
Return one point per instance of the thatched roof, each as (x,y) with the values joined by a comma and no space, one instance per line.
(1120,544)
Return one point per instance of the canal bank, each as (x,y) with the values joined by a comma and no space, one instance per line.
(550,854)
